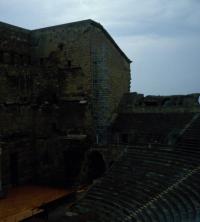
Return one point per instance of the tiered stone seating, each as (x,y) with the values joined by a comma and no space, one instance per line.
(157,183)
(191,138)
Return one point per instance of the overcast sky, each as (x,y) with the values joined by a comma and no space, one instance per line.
(161,37)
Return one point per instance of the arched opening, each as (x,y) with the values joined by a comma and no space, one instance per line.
(96,166)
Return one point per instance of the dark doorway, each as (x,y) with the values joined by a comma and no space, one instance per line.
(124,138)
(73,158)
(14,169)
(96,165)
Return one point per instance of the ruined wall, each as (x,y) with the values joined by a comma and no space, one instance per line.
(68,47)
(153,119)
(104,74)
(31,128)
(18,161)
(15,111)
(14,57)
(16,127)
(60,160)
(111,79)
(134,102)
(57,85)
(34,109)
(14,45)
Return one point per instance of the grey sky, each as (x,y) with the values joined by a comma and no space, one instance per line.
(162,37)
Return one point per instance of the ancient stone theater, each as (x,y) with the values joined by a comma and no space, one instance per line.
(77,145)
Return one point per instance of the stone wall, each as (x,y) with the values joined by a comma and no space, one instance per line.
(14,45)
(134,102)
(68,46)
(14,59)
(29,127)
(59,87)
(15,114)
(34,122)
(105,70)
(111,79)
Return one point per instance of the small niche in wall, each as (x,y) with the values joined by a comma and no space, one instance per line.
(12,59)
(124,138)
(1,57)
(41,61)
(61,46)
(69,63)
(21,59)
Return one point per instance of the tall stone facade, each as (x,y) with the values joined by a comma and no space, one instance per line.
(16,123)
(111,79)
(105,68)
(59,87)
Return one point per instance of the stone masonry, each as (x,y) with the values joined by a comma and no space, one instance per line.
(59,88)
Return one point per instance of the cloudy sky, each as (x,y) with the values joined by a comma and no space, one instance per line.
(161,37)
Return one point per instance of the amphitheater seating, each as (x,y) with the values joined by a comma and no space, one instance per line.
(157,183)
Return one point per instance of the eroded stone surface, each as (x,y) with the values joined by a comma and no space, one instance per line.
(59,87)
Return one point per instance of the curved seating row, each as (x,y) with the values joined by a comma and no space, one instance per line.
(159,183)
